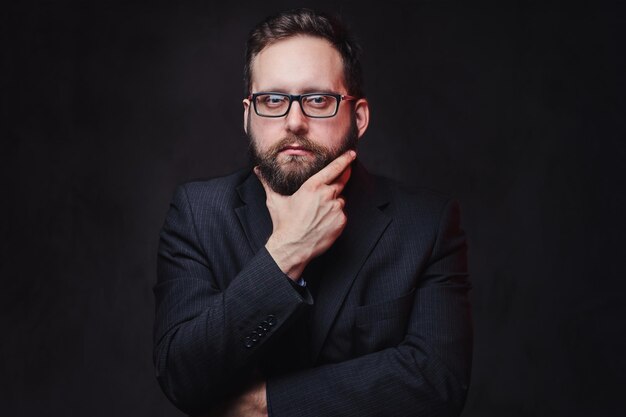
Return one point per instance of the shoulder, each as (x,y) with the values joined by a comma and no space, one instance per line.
(214,192)
(416,210)
(417,200)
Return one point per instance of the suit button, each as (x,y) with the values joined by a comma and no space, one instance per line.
(271,320)
(247,342)
(261,330)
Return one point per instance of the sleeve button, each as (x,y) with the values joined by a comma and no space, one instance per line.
(247,342)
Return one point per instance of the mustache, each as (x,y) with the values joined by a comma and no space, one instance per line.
(300,141)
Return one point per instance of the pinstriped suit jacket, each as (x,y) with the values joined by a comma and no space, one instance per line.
(383,329)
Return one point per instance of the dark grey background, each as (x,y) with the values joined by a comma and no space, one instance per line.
(515,108)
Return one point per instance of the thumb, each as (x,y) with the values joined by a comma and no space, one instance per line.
(264,183)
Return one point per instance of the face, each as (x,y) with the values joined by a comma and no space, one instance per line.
(290,149)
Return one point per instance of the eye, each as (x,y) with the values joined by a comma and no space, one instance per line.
(319,101)
(271,100)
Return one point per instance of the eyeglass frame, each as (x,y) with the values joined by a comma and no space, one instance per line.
(298,97)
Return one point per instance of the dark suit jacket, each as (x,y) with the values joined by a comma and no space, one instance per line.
(382,329)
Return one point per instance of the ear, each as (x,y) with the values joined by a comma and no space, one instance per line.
(246,110)
(362,112)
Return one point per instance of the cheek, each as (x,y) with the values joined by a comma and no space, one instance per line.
(330,134)
(264,131)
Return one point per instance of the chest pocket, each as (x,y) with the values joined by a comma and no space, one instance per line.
(381,325)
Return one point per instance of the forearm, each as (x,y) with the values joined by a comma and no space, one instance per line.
(206,351)
(407,380)
(426,374)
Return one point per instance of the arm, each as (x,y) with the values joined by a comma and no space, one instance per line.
(427,374)
(202,345)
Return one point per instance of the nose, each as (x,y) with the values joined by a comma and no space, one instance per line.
(295,121)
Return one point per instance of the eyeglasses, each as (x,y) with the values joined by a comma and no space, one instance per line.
(317,105)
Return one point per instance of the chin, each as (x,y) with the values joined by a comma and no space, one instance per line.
(296,163)
(295,159)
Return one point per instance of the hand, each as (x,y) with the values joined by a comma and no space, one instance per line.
(252,402)
(308,222)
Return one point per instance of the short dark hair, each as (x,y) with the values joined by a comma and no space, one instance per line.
(307,22)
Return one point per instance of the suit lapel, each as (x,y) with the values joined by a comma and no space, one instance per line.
(338,267)
(253,215)
(342,262)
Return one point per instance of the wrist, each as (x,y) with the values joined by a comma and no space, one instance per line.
(288,256)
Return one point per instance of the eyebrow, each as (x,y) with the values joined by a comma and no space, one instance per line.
(303,91)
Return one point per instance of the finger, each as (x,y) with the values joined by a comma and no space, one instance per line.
(341,180)
(342,202)
(329,173)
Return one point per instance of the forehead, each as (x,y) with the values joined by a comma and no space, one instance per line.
(298,64)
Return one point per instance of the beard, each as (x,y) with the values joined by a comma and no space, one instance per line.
(287,175)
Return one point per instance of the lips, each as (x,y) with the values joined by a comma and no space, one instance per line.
(296,147)
(295,150)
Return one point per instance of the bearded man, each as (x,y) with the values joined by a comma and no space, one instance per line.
(303,285)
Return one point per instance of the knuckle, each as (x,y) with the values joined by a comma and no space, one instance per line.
(308,186)
(328,192)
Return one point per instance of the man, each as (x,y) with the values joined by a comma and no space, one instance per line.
(306,286)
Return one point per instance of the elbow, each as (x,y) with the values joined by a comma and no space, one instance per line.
(171,384)
(192,398)
(451,394)
(448,382)
(183,399)
(194,386)
(186,392)
(456,401)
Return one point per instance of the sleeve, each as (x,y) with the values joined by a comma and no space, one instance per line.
(206,339)
(427,374)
